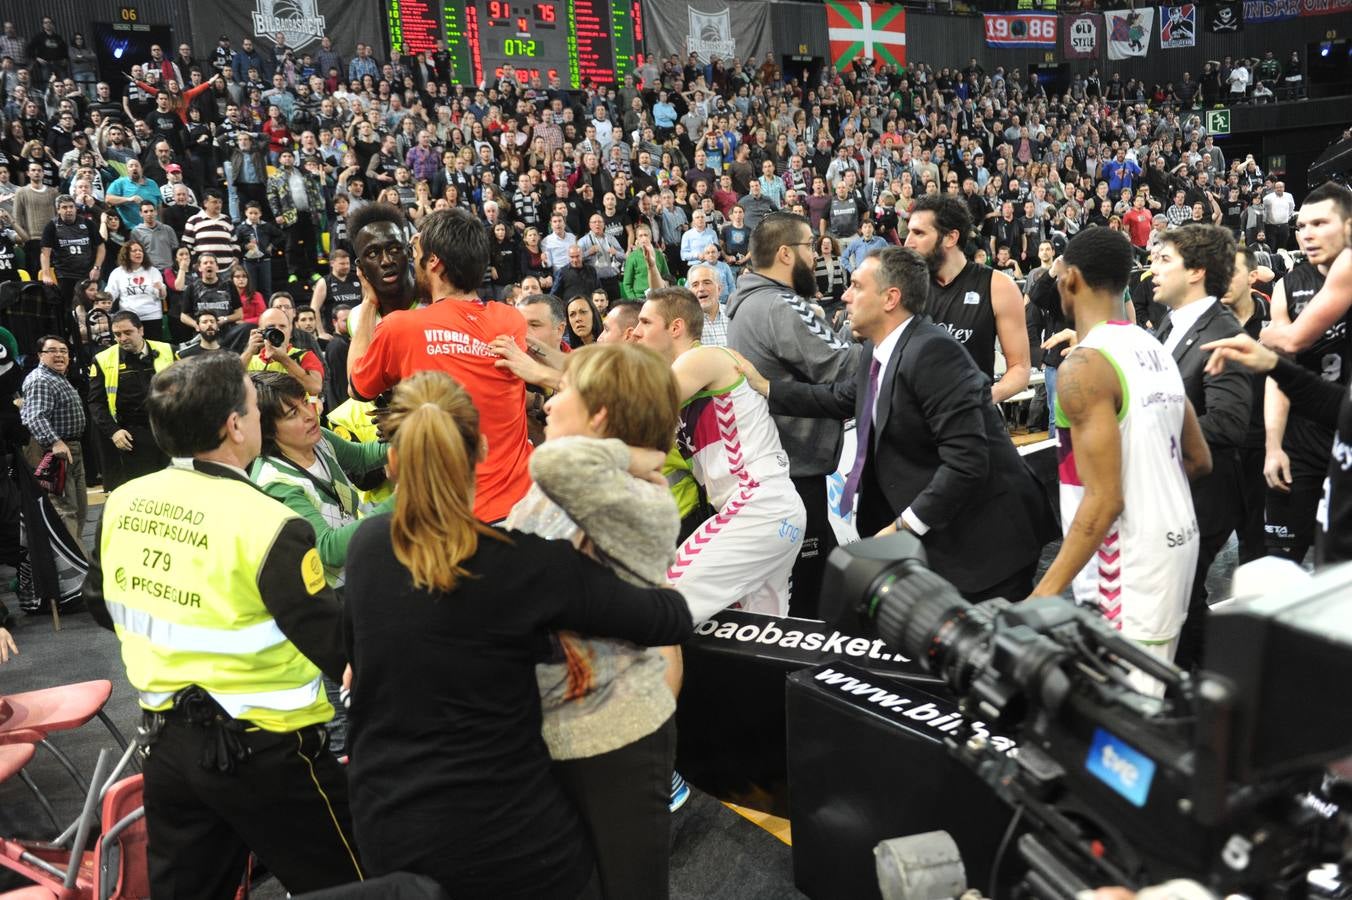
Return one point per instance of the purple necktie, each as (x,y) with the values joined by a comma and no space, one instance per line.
(863,430)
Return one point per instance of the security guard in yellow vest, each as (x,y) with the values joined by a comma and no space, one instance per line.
(352,421)
(218,596)
(119,381)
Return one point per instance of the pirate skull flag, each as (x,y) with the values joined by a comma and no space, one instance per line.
(1223,18)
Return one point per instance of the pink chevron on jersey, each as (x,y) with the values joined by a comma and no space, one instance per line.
(727,435)
(1140,575)
(706,533)
(1065,458)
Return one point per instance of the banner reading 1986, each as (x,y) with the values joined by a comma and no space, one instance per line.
(1021,30)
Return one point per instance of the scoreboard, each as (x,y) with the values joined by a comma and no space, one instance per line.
(576,40)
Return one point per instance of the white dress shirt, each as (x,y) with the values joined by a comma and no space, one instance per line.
(1182,319)
(882,352)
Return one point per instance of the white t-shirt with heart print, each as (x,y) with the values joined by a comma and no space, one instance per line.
(135,291)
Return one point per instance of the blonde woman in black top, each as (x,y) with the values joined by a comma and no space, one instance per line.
(446,618)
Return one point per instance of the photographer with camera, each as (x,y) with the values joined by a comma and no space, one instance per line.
(269,350)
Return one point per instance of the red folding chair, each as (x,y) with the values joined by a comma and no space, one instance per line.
(120,866)
(28,739)
(62,708)
(117,866)
(13,757)
(41,862)
(22,739)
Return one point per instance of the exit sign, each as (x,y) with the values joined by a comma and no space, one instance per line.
(1218,121)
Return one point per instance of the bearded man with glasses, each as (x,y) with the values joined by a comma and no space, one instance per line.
(772,324)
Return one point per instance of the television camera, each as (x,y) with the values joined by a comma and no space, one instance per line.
(1222,780)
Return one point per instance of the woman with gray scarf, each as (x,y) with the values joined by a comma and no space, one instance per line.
(609,705)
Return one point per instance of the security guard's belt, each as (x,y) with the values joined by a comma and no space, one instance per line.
(223,748)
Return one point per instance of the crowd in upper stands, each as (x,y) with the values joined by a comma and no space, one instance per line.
(309,137)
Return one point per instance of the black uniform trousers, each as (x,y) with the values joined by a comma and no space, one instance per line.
(287,802)
(819,539)
(1192,639)
(1290,514)
(1253,493)
(65,286)
(300,247)
(121,466)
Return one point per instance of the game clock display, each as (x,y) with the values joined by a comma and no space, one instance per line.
(574,40)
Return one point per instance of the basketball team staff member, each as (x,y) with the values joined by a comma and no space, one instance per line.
(218,596)
(453,335)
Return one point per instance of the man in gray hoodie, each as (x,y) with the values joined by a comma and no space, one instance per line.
(782,335)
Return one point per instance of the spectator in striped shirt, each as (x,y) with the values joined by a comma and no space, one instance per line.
(211,231)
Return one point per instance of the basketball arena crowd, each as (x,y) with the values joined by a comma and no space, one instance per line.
(431,420)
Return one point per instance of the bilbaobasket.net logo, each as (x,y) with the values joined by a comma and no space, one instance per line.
(923,712)
(298,21)
(771,635)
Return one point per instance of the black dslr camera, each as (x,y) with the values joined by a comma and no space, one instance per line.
(274,336)
(1221,781)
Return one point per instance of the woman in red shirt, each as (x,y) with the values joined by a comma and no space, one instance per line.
(250,301)
(277,132)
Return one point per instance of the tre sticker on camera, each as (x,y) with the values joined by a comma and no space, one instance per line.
(1121,766)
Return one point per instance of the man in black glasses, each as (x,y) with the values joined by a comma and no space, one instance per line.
(54,415)
(775,327)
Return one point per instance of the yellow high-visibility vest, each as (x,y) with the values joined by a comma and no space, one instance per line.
(109,362)
(180,552)
(351,420)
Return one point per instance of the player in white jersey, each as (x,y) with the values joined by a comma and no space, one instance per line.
(1129,443)
(743,555)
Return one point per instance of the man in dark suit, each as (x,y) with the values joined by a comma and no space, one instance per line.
(1192,267)
(425,75)
(448,175)
(933,454)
